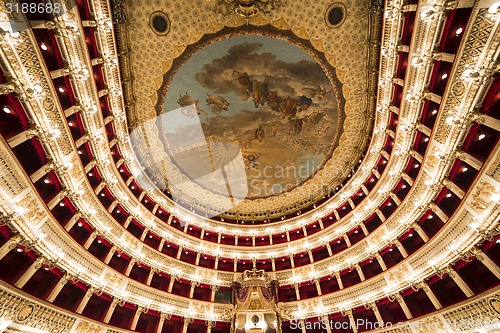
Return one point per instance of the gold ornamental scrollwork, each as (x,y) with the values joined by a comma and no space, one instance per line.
(84,327)
(495,304)
(480,198)
(25,313)
(48,104)
(458,88)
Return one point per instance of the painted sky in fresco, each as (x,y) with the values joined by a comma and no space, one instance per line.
(274,102)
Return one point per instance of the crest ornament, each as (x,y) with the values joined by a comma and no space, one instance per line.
(247,9)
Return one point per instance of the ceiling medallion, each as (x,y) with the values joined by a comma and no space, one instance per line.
(246,8)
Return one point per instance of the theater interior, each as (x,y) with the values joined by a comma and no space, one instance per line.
(249,166)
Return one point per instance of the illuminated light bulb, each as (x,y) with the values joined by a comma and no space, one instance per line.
(482,136)
(464,169)
(426,140)
(448,195)
(80,224)
(43,46)
(434,112)
(6,110)
(70,124)
(90,174)
(459,31)
(46,181)
(61,89)
(79,152)
(444,76)
(62,204)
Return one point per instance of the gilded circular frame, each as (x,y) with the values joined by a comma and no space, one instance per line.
(343,12)
(166,20)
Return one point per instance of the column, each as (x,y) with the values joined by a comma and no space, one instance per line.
(302,325)
(186,324)
(420,232)
(311,259)
(360,272)
(329,249)
(489,121)
(127,221)
(90,240)
(273,264)
(401,248)
(179,253)
(9,245)
(85,300)
(137,315)
(436,210)
(351,320)
(152,272)
(326,323)
(171,283)
(460,282)
(59,73)
(163,317)
(297,292)
(428,291)
(162,243)
(216,264)
(403,305)
(212,294)
(454,188)
(36,265)
(381,261)
(490,264)
(363,227)
(339,280)
(318,287)
(110,311)
(37,175)
(129,267)
(210,324)
(57,289)
(144,234)
(380,215)
(112,206)
(110,255)
(442,56)
(291,260)
(376,312)
(20,138)
(347,240)
(191,291)
(469,159)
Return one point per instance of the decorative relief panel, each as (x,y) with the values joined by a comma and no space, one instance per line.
(114,280)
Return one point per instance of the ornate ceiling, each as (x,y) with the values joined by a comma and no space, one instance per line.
(293,149)
(410,237)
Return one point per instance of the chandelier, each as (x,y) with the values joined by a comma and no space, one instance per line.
(246,8)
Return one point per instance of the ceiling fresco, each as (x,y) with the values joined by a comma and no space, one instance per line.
(284,91)
(264,95)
